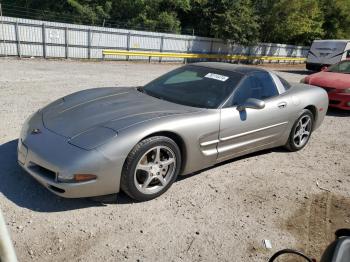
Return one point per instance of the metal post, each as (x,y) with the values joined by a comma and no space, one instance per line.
(128,45)
(66,42)
(89,44)
(250,60)
(161,47)
(279,49)
(220,59)
(188,49)
(43,30)
(211,46)
(3,31)
(232,51)
(271,46)
(265,51)
(18,41)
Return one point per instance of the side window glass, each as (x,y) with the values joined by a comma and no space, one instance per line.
(259,85)
(244,91)
(344,67)
(266,86)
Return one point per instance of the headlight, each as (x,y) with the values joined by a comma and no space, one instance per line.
(26,124)
(346,90)
(24,129)
(93,138)
(75,178)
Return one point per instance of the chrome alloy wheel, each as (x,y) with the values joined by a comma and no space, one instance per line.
(155,169)
(302,131)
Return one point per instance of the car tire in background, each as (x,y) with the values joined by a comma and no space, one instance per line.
(151,168)
(314,67)
(301,131)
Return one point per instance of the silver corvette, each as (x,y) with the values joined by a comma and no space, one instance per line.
(100,141)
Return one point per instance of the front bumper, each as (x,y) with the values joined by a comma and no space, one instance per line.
(339,100)
(45,155)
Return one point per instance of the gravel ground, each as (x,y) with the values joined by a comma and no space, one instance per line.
(295,200)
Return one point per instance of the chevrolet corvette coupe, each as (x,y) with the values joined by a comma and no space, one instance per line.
(138,140)
(336,81)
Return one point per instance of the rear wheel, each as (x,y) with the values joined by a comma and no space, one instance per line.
(151,168)
(301,131)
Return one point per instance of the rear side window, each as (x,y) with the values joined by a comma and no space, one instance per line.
(284,82)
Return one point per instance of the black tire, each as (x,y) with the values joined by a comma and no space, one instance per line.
(127,178)
(292,144)
(314,67)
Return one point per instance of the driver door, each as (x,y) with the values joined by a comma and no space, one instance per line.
(250,129)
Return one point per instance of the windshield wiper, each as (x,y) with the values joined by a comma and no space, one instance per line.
(140,89)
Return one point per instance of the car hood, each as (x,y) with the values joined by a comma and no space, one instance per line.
(329,79)
(114,108)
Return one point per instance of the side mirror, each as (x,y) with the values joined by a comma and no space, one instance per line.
(324,68)
(251,103)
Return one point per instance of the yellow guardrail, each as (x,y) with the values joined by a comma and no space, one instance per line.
(192,55)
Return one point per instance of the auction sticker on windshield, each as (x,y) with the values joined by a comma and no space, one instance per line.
(216,77)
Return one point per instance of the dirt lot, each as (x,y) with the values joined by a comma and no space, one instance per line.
(221,214)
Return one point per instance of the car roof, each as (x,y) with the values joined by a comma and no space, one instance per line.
(242,69)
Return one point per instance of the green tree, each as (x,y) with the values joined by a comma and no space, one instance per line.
(294,22)
(90,11)
(336,19)
(236,21)
(243,21)
(227,19)
(71,11)
(158,15)
(263,9)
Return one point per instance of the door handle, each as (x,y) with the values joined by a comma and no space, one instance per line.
(282,105)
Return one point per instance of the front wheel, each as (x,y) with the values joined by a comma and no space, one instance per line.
(151,168)
(301,131)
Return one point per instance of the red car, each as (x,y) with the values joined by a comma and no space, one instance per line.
(336,81)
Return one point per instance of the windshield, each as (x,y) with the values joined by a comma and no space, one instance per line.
(194,86)
(342,67)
